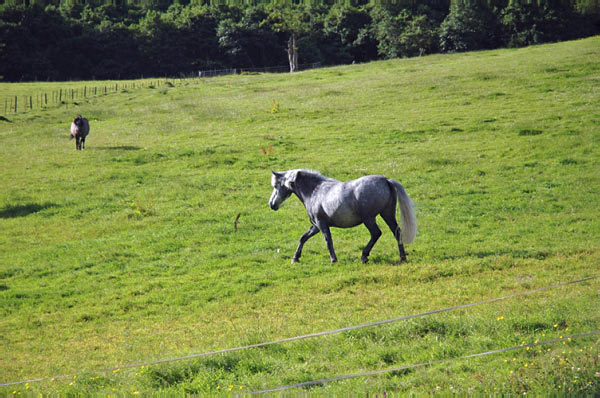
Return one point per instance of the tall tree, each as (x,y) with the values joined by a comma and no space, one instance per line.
(294,20)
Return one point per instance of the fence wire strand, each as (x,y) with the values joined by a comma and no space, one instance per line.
(311,335)
(417,365)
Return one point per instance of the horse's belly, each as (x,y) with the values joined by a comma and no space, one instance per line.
(344,218)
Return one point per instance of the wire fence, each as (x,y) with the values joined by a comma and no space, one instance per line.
(417,365)
(318,334)
(266,69)
(71,95)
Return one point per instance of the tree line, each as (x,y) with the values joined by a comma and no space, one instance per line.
(120,39)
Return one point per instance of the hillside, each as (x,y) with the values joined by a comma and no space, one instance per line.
(127,252)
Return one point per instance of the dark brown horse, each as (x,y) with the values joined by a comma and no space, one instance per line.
(80,128)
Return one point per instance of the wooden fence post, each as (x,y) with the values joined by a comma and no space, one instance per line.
(16,100)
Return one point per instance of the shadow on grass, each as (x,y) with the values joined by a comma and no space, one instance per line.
(24,210)
(515,253)
(118,148)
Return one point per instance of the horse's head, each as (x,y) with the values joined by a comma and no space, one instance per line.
(74,126)
(282,188)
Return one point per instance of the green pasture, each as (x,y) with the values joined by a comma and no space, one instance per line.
(128,251)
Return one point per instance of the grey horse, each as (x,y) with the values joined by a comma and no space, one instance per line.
(332,203)
(80,128)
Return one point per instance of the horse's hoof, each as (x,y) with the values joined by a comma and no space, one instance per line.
(295,260)
(364,260)
(334,260)
(403,260)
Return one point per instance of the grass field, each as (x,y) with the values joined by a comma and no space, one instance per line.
(126,252)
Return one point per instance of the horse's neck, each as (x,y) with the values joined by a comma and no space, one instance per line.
(306,185)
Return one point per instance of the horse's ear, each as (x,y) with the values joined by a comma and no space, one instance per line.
(274,177)
(290,179)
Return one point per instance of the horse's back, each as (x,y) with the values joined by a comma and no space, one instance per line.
(347,204)
(373,193)
(85,127)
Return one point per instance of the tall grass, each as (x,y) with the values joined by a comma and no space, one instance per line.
(157,240)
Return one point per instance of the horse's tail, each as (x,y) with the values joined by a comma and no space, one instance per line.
(409,218)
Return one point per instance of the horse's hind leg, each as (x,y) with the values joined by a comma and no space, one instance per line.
(312,231)
(371,225)
(390,220)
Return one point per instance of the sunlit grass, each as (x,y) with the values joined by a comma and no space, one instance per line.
(128,252)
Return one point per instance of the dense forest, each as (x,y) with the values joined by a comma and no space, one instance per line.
(68,40)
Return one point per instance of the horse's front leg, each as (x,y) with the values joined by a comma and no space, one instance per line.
(324,228)
(312,231)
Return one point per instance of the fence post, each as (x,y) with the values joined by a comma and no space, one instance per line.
(60,95)
(16,100)
(46,98)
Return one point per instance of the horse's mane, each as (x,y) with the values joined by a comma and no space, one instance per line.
(312,173)
(308,171)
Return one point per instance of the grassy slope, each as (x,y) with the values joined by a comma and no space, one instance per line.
(126,252)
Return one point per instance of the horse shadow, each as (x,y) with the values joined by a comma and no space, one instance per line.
(24,210)
(118,148)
